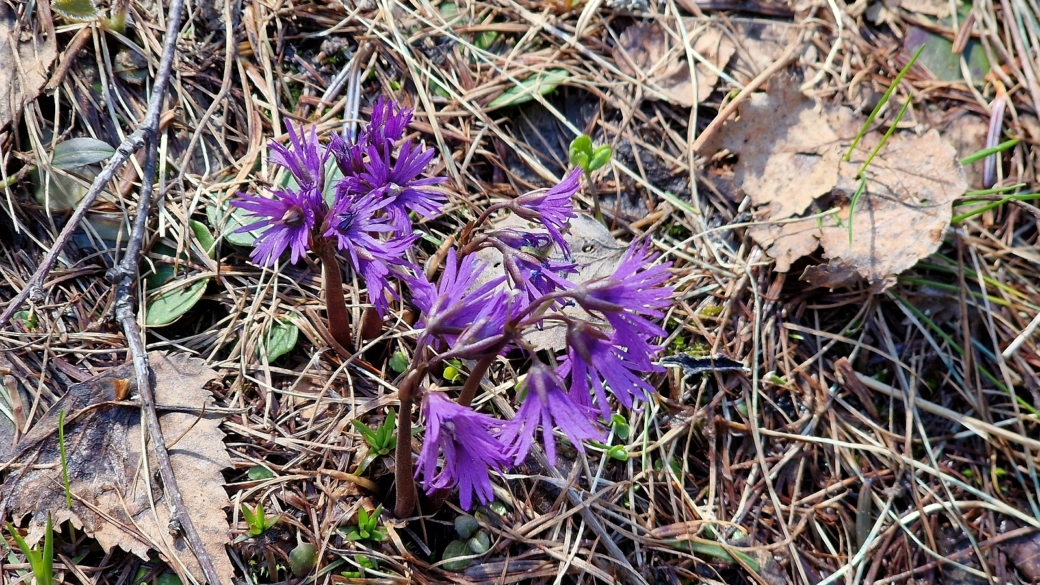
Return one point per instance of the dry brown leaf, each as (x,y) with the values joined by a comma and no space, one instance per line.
(27,59)
(790,156)
(112,490)
(648,49)
(1024,551)
(593,249)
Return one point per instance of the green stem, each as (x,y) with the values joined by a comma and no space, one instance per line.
(595,197)
(335,302)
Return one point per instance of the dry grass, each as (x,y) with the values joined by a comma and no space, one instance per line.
(878,438)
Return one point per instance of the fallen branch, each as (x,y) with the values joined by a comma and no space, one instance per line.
(124,277)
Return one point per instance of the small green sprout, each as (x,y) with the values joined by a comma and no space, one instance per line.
(41,561)
(453,371)
(583,155)
(620,426)
(257,521)
(367,527)
(589,159)
(365,563)
(380,442)
(399,362)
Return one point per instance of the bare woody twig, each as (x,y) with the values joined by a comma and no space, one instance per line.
(124,277)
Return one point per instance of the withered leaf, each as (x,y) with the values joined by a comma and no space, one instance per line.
(27,56)
(649,49)
(112,484)
(790,163)
(1024,551)
(593,249)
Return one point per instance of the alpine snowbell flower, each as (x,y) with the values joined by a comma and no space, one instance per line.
(547,405)
(629,297)
(306,159)
(464,438)
(457,310)
(596,361)
(287,221)
(553,208)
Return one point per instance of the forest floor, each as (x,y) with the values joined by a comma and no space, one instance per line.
(880,294)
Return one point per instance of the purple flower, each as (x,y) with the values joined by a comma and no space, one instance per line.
(387,123)
(538,276)
(457,310)
(547,405)
(354,225)
(629,296)
(554,208)
(397,179)
(465,439)
(596,361)
(287,221)
(306,160)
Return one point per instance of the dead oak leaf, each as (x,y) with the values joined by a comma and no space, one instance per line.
(594,251)
(903,214)
(113,485)
(788,154)
(790,161)
(651,50)
(27,56)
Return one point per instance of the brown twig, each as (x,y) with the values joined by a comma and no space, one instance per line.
(124,277)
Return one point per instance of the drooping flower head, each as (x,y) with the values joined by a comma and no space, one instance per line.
(305,160)
(465,439)
(287,221)
(597,361)
(553,208)
(631,296)
(457,310)
(547,405)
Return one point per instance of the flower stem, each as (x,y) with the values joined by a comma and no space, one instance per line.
(469,389)
(596,211)
(403,471)
(335,303)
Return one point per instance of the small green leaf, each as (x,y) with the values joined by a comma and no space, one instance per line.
(76,9)
(280,340)
(581,145)
(479,543)
(454,550)
(600,158)
(231,221)
(28,319)
(542,83)
(171,305)
(466,525)
(260,473)
(366,433)
(80,152)
(303,558)
(209,244)
(399,363)
(618,452)
(451,374)
(353,534)
(485,39)
(379,534)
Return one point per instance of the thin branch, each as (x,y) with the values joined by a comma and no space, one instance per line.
(125,274)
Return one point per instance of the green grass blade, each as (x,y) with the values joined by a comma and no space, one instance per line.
(988,151)
(64,458)
(881,104)
(884,139)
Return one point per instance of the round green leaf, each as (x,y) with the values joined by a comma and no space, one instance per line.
(541,83)
(76,9)
(79,152)
(454,550)
(259,473)
(600,158)
(209,244)
(280,340)
(303,558)
(169,306)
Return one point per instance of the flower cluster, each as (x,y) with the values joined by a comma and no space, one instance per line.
(470,311)
(364,214)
